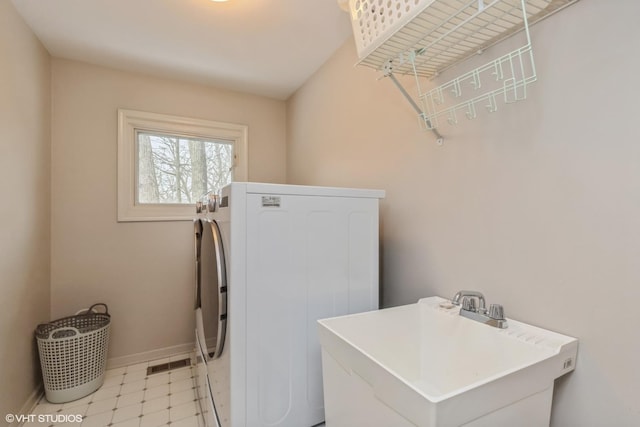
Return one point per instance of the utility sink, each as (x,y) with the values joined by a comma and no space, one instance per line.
(425,365)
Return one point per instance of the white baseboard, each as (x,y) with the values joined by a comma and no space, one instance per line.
(29,404)
(161,353)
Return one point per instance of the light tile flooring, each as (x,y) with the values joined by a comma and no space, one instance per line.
(130,398)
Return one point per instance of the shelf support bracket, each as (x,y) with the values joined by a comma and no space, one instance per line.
(439,137)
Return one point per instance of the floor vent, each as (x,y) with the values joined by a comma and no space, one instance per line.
(163,367)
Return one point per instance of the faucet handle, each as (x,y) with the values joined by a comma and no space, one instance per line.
(496,311)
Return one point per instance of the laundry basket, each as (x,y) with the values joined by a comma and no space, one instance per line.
(73,353)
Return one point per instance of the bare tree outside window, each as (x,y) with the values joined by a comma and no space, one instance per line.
(179,170)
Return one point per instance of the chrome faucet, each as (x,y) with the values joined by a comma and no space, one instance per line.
(469,309)
(482,307)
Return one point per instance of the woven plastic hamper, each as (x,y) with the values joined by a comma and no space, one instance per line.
(73,354)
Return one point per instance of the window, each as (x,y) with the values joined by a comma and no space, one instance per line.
(178,169)
(166,163)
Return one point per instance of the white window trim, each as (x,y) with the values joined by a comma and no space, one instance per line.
(129,121)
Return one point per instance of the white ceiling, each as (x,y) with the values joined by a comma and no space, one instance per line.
(264,47)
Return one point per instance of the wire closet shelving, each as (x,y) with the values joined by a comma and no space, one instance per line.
(424,38)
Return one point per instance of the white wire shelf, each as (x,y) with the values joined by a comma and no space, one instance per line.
(423,38)
(442,33)
(502,80)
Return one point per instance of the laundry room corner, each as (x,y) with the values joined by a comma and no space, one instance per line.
(142,270)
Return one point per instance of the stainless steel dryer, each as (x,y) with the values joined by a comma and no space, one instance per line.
(210,304)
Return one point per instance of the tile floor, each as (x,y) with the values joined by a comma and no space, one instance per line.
(130,398)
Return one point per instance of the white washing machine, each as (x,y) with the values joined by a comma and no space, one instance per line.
(270,261)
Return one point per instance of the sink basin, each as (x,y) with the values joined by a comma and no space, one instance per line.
(425,365)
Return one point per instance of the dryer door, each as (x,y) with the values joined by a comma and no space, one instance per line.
(197,240)
(213,288)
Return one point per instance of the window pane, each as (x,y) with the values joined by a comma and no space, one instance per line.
(176,169)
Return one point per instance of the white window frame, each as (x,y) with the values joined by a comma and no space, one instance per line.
(131,121)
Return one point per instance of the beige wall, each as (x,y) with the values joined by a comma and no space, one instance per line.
(24,211)
(143,271)
(537,205)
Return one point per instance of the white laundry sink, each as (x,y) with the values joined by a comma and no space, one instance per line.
(425,365)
